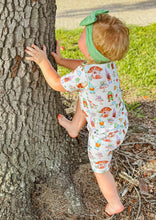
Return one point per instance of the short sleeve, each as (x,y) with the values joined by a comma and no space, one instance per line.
(76,80)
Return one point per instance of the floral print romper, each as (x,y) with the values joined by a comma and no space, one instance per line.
(103,107)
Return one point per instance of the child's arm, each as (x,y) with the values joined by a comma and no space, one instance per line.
(40,57)
(67,63)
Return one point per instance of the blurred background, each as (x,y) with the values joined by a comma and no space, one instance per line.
(71,12)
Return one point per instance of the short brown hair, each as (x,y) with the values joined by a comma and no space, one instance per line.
(110,37)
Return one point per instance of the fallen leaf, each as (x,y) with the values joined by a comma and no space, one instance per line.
(128,210)
(145,174)
(133,201)
(145,96)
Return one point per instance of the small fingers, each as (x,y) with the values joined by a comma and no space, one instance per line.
(54,55)
(30,49)
(44,48)
(29,58)
(35,47)
(30,52)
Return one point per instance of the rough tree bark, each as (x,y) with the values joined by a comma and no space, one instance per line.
(32,144)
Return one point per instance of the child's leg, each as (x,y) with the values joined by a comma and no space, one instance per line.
(108,188)
(73,127)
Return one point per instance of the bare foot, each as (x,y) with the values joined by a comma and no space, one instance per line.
(111,210)
(68,126)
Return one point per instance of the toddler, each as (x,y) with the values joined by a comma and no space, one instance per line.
(104,39)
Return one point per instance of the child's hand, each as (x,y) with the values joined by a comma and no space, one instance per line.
(36,54)
(57,56)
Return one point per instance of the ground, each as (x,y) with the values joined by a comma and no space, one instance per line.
(133,167)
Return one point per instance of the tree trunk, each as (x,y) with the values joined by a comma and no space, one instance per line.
(32,144)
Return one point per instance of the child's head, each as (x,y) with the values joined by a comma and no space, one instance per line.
(107,38)
(110,37)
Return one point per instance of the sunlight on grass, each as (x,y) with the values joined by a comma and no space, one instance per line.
(137,71)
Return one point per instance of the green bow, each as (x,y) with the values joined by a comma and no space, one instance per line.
(88,22)
(92,17)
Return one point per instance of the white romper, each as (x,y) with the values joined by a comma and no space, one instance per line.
(103,107)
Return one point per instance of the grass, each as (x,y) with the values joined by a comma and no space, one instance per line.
(137,71)
(136,108)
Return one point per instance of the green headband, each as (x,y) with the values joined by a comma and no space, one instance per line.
(88,22)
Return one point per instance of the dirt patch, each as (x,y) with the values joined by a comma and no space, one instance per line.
(133,166)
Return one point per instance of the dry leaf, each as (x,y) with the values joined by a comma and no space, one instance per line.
(133,201)
(146,97)
(145,174)
(129,208)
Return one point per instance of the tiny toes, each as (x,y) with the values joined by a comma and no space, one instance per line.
(60,118)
